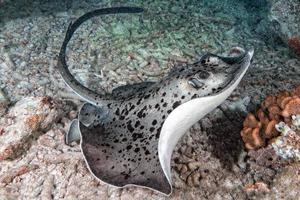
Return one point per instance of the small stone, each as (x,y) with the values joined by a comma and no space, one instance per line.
(72,114)
(3,103)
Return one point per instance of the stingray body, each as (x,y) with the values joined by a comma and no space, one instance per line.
(127,137)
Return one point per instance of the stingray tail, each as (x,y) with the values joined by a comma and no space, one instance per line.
(84,92)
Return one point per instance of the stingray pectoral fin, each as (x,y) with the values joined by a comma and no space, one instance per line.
(114,158)
(187,114)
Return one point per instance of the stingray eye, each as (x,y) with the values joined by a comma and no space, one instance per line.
(202,74)
(195,83)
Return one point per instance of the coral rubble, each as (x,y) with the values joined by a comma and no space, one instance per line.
(287,180)
(287,146)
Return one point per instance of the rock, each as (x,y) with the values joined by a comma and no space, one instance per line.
(24,122)
(4,194)
(15,172)
(288,180)
(286,13)
(3,103)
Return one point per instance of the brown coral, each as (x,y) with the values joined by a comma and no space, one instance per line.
(260,128)
(294,43)
(292,107)
(256,187)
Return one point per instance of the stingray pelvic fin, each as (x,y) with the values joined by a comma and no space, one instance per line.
(73,133)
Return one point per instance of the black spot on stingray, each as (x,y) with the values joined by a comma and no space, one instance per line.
(120,151)
(142,173)
(132,107)
(126,176)
(112,167)
(164,94)
(151,136)
(136,136)
(147,96)
(157,133)
(86,114)
(162,100)
(124,139)
(137,123)
(157,105)
(108,105)
(169,111)
(122,117)
(163,117)
(151,129)
(176,104)
(126,112)
(136,150)
(116,141)
(195,96)
(154,122)
(128,147)
(117,111)
(130,128)
(147,152)
(138,102)
(175,95)
(141,112)
(142,127)
(165,104)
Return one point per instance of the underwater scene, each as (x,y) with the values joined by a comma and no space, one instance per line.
(153,100)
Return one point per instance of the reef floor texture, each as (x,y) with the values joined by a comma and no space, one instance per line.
(210,161)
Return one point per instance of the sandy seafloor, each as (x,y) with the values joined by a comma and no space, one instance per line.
(117,50)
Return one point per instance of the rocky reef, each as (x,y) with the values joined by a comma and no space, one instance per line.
(286,14)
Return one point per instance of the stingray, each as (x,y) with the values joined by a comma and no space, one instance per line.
(127,136)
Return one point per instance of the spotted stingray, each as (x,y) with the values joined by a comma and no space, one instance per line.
(127,137)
